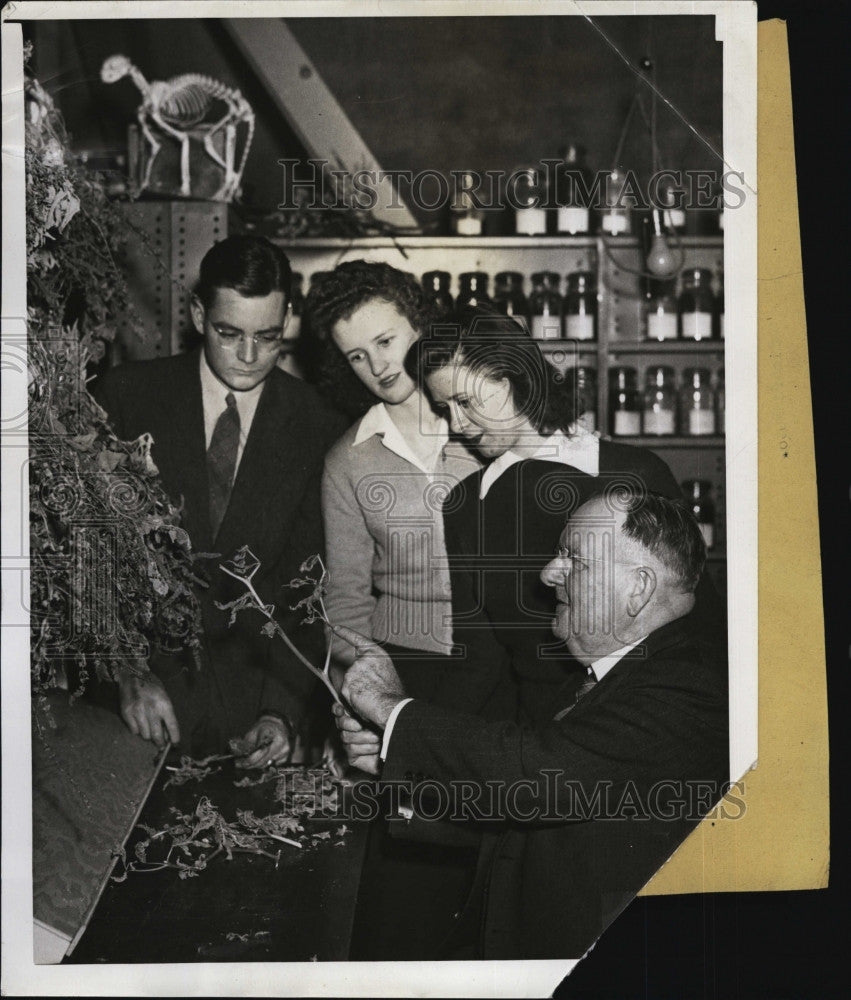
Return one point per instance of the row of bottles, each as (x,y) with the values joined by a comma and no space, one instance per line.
(696,313)
(563,197)
(547,314)
(693,408)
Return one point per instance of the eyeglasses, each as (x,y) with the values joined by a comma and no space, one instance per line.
(265,341)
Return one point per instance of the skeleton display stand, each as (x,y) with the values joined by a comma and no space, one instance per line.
(189,130)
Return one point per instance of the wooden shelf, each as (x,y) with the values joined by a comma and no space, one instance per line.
(485,242)
(666,347)
(664,441)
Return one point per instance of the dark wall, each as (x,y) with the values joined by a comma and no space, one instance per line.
(425,93)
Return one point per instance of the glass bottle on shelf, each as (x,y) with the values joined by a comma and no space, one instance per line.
(545,306)
(697,493)
(580,306)
(720,402)
(465,218)
(508,295)
(616,216)
(696,304)
(585,393)
(530,213)
(661,311)
(660,401)
(698,402)
(473,289)
(624,404)
(573,186)
(719,307)
(671,199)
(436,290)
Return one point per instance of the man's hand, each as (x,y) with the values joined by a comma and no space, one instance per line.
(146,708)
(267,742)
(371,685)
(362,745)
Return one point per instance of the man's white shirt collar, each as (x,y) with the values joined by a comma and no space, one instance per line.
(213,399)
(602,666)
(377,421)
(580,449)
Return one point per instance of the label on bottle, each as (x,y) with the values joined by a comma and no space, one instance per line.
(627,422)
(531,221)
(661,326)
(701,422)
(674,218)
(572,219)
(579,326)
(468,225)
(722,423)
(697,325)
(546,327)
(708,532)
(721,325)
(615,223)
(659,421)
(721,220)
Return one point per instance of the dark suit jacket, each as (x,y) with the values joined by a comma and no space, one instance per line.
(274,509)
(508,660)
(547,886)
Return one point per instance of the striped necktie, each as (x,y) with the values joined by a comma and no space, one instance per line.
(581,691)
(221,461)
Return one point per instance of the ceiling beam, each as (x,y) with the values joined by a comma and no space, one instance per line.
(314,114)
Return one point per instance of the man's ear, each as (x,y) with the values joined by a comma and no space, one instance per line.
(198,314)
(642,589)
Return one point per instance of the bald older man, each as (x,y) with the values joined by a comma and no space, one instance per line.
(573,816)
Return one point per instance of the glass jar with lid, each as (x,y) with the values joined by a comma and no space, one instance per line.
(697,304)
(465,217)
(473,289)
(698,402)
(624,402)
(508,295)
(616,214)
(698,496)
(580,306)
(660,401)
(720,402)
(530,196)
(545,306)
(585,394)
(661,311)
(436,290)
(573,187)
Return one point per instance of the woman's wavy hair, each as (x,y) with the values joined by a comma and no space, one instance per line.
(335,295)
(498,347)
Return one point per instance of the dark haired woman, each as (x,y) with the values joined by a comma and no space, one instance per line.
(502,523)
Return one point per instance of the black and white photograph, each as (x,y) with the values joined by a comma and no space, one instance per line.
(384,538)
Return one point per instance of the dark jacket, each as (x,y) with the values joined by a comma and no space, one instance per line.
(274,509)
(650,739)
(507,659)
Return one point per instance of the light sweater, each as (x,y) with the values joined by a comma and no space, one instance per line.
(388,571)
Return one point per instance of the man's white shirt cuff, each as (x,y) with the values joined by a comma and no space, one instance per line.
(391,722)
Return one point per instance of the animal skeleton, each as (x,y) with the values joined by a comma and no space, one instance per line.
(180,104)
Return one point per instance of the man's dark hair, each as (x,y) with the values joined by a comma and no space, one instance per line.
(250,265)
(334,296)
(668,529)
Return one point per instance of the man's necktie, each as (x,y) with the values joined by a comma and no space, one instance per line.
(581,691)
(221,461)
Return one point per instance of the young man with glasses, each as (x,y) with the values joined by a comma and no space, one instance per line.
(240,444)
